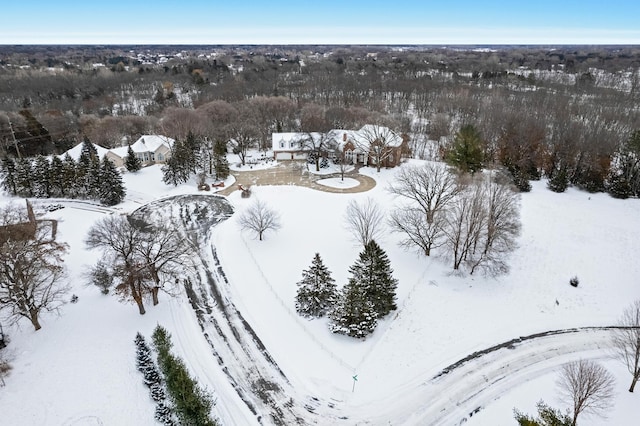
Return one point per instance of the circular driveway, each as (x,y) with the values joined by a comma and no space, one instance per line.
(295,173)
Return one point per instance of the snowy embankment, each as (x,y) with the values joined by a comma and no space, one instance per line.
(80,370)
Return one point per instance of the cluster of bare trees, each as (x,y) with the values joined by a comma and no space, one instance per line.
(142,259)
(474,219)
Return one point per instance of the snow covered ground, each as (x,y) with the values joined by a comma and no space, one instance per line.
(79,369)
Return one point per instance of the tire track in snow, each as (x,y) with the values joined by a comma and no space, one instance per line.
(457,392)
(244,359)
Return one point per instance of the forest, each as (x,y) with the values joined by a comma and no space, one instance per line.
(567,113)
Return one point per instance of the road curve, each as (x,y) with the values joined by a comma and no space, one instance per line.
(456,393)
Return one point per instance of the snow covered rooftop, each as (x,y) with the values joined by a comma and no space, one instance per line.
(146,143)
(77,150)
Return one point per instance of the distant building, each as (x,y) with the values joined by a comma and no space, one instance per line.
(150,149)
(358,146)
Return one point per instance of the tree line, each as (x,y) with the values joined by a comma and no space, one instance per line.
(55,177)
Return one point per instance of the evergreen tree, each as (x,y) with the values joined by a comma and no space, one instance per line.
(69,176)
(372,271)
(88,150)
(9,175)
(133,163)
(547,416)
(317,291)
(191,154)
(618,186)
(81,178)
(164,414)
(56,173)
(559,182)
(353,314)
(178,168)
(220,162)
(24,178)
(93,179)
(111,191)
(466,153)
(191,403)
(41,177)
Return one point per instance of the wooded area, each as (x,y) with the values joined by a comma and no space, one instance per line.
(566,112)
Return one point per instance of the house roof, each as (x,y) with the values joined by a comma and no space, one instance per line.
(77,150)
(338,137)
(146,143)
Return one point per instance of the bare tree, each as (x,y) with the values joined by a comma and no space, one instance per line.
(430,189)
(142,256)
(626,341)
(364,220)
(244,131)
(31,267)
(379,142)
(259,218)
(165,254)
(464,224)
(501,228)
(119,241)
(588,386)
(317,137)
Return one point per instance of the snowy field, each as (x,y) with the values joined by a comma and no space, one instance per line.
(80,368)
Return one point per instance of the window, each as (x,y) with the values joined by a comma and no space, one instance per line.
(160,157)
(348,156)
(281,144)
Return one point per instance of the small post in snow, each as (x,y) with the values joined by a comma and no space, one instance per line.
(355,379)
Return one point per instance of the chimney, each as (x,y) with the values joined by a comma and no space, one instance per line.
(344,137)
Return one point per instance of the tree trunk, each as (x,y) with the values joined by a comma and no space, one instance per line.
(633,383)
(154,294)
(136,294)
(138,300)
(33,316)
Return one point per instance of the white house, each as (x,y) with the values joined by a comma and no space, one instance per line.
(357,145)
(150,149)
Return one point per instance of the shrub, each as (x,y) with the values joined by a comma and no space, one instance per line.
(574,281)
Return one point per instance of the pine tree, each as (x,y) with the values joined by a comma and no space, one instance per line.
(317,291)
(466,152)
(372,271)
(559,182)
(56,177)
(191,403)
(164,414)
(88,149)
(353,314)
(179,165)
(69,176)
(111,191)
(9,175)
(157,392)
(93,179)
(41,177)
(220,161)
(24,178)
(133,163)
(618,186)
(83,167)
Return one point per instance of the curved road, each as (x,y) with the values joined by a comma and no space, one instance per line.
(456,393)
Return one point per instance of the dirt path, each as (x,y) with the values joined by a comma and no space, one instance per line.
(295,173)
